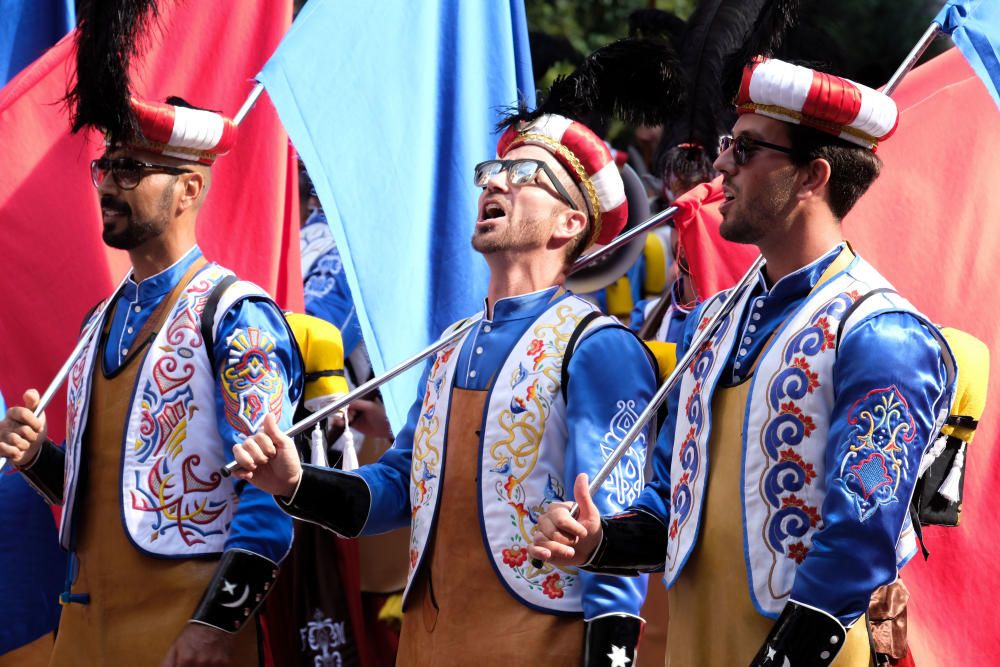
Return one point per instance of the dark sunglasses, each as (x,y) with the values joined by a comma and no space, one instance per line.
(126,171)
(744,147)
(520,172)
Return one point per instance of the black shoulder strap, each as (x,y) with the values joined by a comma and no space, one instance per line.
(571,346)
(208,317)
(856,305)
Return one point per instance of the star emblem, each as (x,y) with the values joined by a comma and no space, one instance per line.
(228,587)
(618,657)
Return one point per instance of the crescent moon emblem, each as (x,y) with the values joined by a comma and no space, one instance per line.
(243,598)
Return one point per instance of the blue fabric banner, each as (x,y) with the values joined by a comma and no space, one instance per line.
(28,28)
(390,104)
(974,26)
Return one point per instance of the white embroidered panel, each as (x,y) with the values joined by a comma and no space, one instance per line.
(428,452)
(689,457)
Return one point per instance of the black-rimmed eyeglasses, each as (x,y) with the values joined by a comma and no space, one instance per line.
(520,172)
(744,147)
(126,171)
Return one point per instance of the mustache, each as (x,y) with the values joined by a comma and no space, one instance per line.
(117,205)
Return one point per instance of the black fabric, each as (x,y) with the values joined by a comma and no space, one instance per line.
(237,590)
(633,542)
(571,346)
(331,498)
(933,509)
(315,375)
(802,637)
(607,639)
(856,305)
(46,473)
(208,317)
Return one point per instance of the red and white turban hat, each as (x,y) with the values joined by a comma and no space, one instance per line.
(588,160)
(182,132)
(832,104)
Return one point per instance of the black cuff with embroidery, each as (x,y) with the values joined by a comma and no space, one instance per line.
(331,498)
(237,590)
(46,473)
(633,542)
(611,640)
(801,637)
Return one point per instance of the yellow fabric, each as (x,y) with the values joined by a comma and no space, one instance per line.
(973,359)
(392,610)
(322,350)
(619,294)
(655,254)
(665,354)
(713,622)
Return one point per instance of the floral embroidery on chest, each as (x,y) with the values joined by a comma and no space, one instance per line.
(514,453)
(167,484)
(425,467)
(693,415)
(792,441)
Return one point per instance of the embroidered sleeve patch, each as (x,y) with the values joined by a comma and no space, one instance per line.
(252,384)
(877,449)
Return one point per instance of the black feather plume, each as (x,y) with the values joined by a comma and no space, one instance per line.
(111,33)
(635,80)
(718,34)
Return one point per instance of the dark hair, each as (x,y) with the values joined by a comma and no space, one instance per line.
(853,168)
(690,163)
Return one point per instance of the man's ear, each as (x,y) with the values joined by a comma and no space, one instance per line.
(570,223)
(815,177)
(192,187)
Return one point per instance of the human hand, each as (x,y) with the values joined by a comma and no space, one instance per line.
(564,540)
(369,417)
(269,460)
(200,646)
(21,433)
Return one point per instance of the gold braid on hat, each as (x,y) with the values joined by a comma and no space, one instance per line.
(581,173)
(812,120)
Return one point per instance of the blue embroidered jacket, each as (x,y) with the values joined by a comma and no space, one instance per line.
(327,294)
(258,524)
(609,365)
(853,552)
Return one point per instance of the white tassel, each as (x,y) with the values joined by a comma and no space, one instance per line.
(350,460)
(931,454)
(317,447)
(949,489)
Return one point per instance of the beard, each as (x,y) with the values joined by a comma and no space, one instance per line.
(751,218)
(136,231)
(523,234)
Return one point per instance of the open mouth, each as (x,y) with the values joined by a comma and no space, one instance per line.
(492,211)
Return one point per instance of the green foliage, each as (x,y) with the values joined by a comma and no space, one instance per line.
(590,24)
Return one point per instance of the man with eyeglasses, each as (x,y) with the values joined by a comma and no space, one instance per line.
(542,388)
(786,466)
(169,561)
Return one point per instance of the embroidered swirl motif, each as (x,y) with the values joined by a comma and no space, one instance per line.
(532,390)
(167,485)
(425,465)
(625,481)
(252,384)
(187,508)
(876,456)
(693,415)
(791,520)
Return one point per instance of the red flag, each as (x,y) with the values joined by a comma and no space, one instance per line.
(928,225)
(716,264)
(55,265)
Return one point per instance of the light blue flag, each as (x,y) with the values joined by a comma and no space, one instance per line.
(390,104)
(28,28)
(974,26)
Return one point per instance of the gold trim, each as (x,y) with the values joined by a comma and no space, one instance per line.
(581,172)
(799,116)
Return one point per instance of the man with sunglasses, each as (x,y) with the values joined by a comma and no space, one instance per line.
(785,469)
(542,388)
(169,561)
